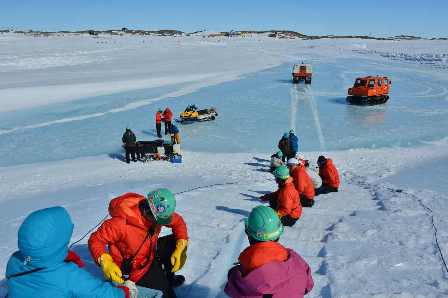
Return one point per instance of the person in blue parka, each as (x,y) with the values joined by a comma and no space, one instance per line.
(293,144)
(43,266)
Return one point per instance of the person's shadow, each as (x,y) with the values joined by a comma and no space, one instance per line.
(233,210)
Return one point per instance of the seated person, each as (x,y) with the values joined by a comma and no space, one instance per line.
(266,268)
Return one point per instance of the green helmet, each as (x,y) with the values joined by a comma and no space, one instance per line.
(281,172)
(162,204)
(263,224)
(279,154)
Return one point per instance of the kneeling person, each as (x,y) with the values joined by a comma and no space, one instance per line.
(266,267)
(135,250)
(285,201)
(329,175)
(302,181)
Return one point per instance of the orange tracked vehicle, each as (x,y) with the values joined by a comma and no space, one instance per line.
(302,72)
(369,91)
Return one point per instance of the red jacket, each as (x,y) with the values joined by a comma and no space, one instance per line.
(288,202)
(158,118)
(167,115)
(126,231)
(329,174)
(302,182)
(261,253)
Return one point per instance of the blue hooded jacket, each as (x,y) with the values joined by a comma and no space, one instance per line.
(174,129)
(293,142)
(43,240)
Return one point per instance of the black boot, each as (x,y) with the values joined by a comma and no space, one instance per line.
(176,280)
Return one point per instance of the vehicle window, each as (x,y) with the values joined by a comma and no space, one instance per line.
(359,83)
(380,83)
(386,81)
(372,84)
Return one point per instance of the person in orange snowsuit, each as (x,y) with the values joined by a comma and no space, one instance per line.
(167,118)
(285,201)
(329,175)
(302,182)
(159,123)
(134,249)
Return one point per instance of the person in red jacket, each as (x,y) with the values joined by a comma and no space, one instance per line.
(167,118)
(135,251)
(302,182)
(159,123)
(329,175)
(285,201)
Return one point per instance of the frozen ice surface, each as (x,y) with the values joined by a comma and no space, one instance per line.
(253,113)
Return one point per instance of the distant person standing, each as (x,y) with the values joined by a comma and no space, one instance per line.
(293,144)
(283,145)
(167,118)
(159,123)
(130,145)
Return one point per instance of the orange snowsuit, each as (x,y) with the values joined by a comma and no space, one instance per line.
(329,174)
(158,118)
(302,182)
(288,200)
(256,255)
(167,115)
(127,230)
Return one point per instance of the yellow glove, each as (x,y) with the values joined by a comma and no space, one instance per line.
(179,255)
(110,269)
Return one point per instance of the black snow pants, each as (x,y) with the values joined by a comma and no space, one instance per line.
(159,130)
(286,220)
(167,127)
(159,273)
(305,202)
(131,151)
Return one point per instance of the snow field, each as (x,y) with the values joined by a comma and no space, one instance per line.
(384,234)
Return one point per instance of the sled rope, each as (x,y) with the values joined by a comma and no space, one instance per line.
(176,193)
(90,231)
(206,186)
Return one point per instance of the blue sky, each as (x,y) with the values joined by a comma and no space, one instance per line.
(378,17)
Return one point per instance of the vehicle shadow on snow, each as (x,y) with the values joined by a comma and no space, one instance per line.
(284,81)
(339,100)
(233,210)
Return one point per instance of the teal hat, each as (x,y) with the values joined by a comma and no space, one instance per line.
(281,172)
(263,224)
(162,204)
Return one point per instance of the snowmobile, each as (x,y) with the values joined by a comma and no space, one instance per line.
(369,91)
(192,113)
